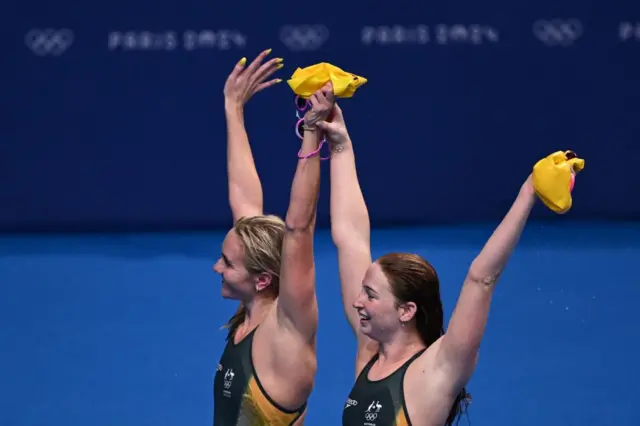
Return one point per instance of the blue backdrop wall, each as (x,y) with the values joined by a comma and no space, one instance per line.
(113,113)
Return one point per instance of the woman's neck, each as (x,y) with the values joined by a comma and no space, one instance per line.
(400,348)
(256,311)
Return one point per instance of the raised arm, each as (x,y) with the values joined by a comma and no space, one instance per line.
(457,353)
(297,308)
(350,227)
(245,189)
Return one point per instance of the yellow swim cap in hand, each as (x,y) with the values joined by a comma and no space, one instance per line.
(305,81)
(553,179)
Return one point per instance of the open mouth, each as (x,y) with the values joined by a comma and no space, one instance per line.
(363,316)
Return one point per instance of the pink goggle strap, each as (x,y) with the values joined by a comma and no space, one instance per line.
(314,153)
(573,181)
(298,127)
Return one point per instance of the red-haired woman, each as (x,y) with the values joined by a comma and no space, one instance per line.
(409,371)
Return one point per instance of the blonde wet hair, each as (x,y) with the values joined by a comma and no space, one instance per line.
(261,238)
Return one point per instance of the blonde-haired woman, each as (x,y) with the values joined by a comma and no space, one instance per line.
(267,370)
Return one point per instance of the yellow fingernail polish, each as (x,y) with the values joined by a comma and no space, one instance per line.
(267,51)
(242,61)
(279,66)
(278,80)
(278,60)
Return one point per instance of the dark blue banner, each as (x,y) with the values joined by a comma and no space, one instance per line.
(114,114)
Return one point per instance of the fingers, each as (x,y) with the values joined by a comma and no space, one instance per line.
(238,68)
(257,61)
(337,114)
(328,98)
(321,107)
(323,125)
(327,91)
(334,122)
(324,100)
(315,101)
(267,69)
(266,84)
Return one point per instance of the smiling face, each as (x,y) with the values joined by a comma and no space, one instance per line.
(250,260)
(237,282)
(400,290)
(381,315)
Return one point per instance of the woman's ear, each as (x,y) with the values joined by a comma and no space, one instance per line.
(407,311)
(262,281)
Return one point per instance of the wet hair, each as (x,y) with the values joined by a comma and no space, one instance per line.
(261,238)
(413,279)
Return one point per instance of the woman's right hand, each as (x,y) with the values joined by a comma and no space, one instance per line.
(244,82)
(336,129)
(322,103)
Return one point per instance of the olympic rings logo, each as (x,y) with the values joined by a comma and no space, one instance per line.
(629,31)
(370,416)
(49,42)
(558,32)
(304,37)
